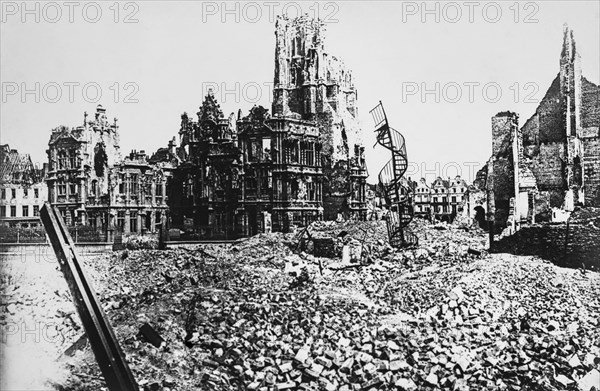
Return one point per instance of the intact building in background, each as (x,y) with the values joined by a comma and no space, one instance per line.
(542,170)
(444,200)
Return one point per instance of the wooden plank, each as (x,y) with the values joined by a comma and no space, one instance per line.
(105,346)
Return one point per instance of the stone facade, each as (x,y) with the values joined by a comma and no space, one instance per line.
(552,162)
(241,175)
(422,199)
(313,85)
(457,193)
(244,176)
(92,185)
(444,200)
(573,245)
(22,189)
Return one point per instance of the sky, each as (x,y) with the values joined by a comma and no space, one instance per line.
(441,69)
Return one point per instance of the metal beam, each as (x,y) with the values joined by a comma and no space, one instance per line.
(104,344)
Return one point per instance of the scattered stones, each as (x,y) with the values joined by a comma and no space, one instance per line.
(407,319)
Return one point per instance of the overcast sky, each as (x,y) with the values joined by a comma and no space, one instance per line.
(151,70)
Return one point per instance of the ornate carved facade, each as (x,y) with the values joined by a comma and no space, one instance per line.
(91,184)
(244,175)
(313,85)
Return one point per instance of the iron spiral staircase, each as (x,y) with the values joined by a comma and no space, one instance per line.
(398,196)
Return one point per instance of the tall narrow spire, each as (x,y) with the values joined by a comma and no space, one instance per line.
(569,52)
(570,82)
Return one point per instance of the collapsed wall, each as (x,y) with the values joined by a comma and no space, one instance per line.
(553,160)
(572,245)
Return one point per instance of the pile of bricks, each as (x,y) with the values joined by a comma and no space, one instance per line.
(228,318)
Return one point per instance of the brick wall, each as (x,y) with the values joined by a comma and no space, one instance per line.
(590,104)
(591,170)
(571,246)
(502,171)
(590,122)
(548,167)
(502,134)
(547,124)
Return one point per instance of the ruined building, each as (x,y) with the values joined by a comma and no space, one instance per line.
(22,189)
(241,175)
(92,185)
(541,170)
(312,85)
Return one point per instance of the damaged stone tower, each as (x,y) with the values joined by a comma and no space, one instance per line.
(312,85)
(263,172)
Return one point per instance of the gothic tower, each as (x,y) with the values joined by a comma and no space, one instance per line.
(312,85)
(570,87)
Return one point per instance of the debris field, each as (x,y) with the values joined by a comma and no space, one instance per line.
(265,313)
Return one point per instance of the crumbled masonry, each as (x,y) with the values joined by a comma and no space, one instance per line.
(274,171)
(542,170)
(446,315)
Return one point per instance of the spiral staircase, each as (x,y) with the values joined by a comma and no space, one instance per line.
(398,196)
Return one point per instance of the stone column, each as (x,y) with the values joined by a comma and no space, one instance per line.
(143,228)
(126,227)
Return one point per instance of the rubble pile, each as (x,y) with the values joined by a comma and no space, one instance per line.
(442,242)
(513,324)
(138,242)
(260,315)
(235,325)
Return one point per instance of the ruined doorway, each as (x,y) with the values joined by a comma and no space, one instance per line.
(202,213)
(252,222)
(480,216)
(203,216)
(577,172)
